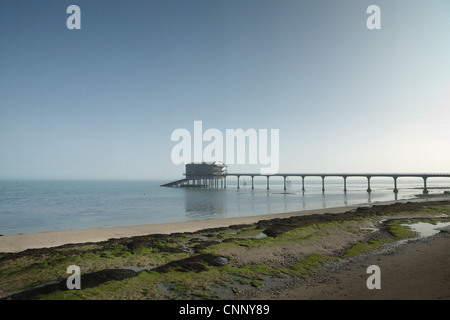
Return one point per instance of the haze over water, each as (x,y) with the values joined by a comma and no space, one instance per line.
(31,206)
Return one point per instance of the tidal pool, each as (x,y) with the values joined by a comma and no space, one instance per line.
(425,229)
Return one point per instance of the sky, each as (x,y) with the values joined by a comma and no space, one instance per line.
(102,102)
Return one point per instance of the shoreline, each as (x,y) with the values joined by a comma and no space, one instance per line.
(317,254)
(20,242)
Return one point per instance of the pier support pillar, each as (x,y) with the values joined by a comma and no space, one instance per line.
(323,183)
(368,185)
(267,182)
(303,183)
(425,190)
(225,182)
(284,182)
(395,185)
(253,186)
(345,183)
(238,182)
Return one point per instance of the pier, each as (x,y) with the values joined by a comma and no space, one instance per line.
(202,175)
(198,182)
(214,175)
(394,176)
(220,180)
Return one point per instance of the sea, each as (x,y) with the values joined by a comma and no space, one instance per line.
(32,206)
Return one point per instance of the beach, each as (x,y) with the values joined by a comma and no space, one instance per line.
(20,242)
(316,254)
(416,271)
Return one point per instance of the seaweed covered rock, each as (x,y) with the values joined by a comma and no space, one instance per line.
(196,263)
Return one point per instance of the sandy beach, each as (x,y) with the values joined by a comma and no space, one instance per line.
(20,242)
(308,255)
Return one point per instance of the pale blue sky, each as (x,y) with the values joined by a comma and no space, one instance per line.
(102,102)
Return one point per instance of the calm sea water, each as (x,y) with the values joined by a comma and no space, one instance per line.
(49,205)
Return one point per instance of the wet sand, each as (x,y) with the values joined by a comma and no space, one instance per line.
(419,270)
(21,242)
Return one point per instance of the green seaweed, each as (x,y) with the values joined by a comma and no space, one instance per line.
(365,247)
(311,263)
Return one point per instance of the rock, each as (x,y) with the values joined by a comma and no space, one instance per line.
(195,263)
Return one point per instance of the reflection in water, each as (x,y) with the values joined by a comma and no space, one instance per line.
(43,205)
(324,202)
(204,203)
(245,201)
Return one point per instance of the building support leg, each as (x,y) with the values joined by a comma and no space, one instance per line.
(368,185)
(425,190)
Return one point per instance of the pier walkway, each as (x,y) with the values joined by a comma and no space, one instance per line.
(209,181)
(395,176)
